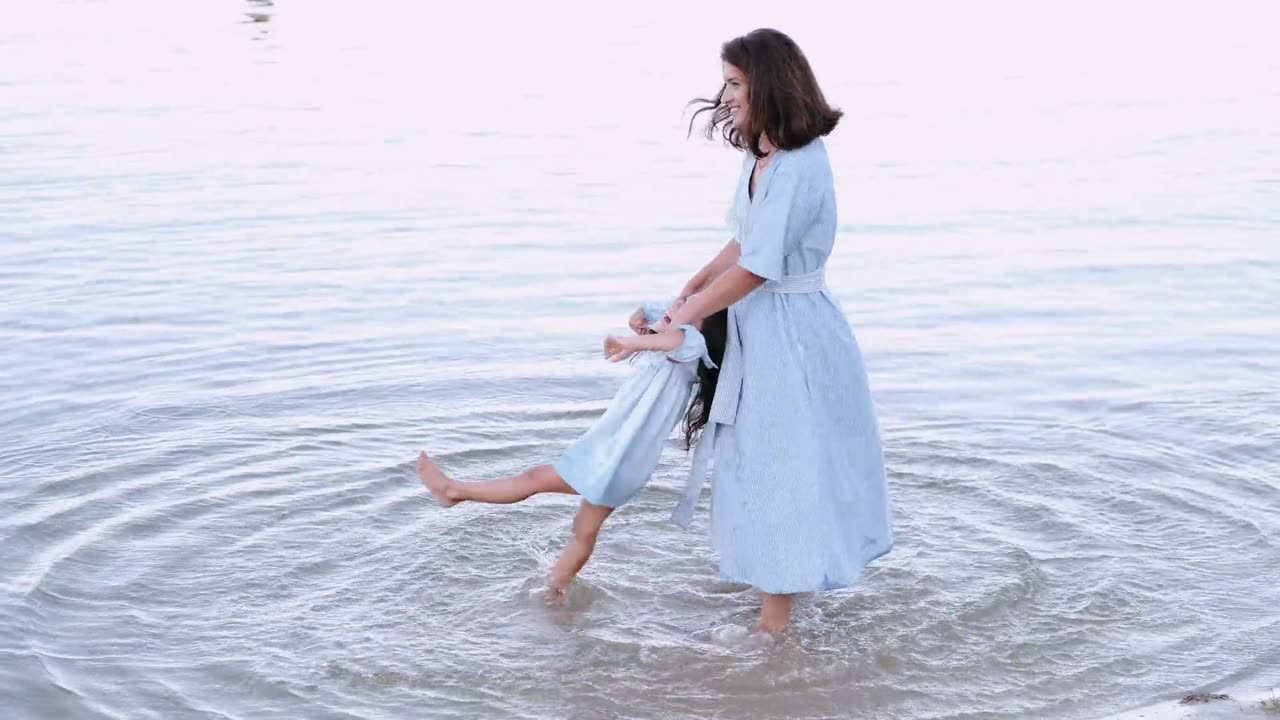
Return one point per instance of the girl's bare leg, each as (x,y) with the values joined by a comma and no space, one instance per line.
(586,526)
(775,613)
(449,492)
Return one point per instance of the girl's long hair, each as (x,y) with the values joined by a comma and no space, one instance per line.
(715,329)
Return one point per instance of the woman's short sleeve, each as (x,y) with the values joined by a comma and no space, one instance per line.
(778,211)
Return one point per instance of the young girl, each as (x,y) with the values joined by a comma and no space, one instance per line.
(609,464)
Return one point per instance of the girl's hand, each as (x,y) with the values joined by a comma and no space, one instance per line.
(617,349)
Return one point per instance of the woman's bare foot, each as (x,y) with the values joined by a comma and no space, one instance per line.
(769,630)
(775,614)
(436,481)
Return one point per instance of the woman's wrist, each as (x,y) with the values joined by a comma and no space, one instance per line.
(682,314)
(691,287)
(677,318)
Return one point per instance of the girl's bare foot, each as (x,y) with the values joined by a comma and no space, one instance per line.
(436,481)
(557,587)
(555,595)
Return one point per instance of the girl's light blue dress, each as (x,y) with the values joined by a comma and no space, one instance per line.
(617,455)
(799,498)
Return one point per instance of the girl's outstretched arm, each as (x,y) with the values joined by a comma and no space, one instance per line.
(621,348)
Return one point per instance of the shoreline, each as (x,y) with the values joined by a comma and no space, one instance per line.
(1244,700)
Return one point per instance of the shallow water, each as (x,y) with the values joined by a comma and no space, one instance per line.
(250,268)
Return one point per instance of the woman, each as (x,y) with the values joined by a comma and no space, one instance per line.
(799,495)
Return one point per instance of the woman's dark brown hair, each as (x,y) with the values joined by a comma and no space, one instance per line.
(785,103)
(715,330)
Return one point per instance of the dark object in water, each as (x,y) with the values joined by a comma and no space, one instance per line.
(1195,698)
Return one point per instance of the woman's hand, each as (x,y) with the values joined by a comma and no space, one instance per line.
(665,322)
(636,322)
(617,349)
(733,284)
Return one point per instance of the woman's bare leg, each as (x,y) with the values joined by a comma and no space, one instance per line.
(775,613)
(586,526)
(449,492)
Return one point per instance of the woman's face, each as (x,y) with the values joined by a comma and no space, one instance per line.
(734,96)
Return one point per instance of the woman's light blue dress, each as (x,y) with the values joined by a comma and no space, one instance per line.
(617,455)
(799,498)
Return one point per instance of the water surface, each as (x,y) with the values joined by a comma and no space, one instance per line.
(249,268)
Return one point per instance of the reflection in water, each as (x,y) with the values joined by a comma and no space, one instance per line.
(258,12)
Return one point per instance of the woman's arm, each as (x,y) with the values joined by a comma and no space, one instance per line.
(723,260)
(787,204)
(731,286)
